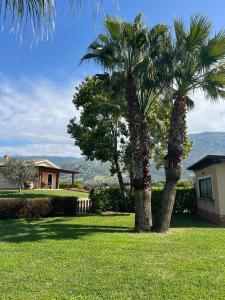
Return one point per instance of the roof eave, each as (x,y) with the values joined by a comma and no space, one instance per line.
(206,161)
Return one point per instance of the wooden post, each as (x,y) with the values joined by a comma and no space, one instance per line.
(72,179)
(39,179)
(57,180)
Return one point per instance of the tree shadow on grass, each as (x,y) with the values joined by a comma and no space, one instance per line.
(32,230)
(19,231)
(194,221)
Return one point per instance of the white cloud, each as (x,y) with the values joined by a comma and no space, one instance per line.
(49,149)
(206,116)
(34,115)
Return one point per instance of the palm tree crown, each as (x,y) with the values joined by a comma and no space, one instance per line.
(198,59)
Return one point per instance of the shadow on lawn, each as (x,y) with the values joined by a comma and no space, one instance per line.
(30,230)
(194,221)
(18,231)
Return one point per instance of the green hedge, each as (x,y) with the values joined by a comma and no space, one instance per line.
(38,207)
(65,184)
(110,199)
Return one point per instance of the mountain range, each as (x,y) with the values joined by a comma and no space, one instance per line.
(95,172)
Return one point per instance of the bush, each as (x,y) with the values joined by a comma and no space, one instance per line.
(181,183)
(38,207)
(110,199)
(65,184)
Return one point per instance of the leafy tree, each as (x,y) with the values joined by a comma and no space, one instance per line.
(20,171)
(100,128)
(136,52)
(196,61)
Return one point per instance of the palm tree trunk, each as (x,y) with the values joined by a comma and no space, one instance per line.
(140,159)
(173,163)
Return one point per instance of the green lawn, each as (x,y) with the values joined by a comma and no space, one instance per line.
(100,257)
(41,193)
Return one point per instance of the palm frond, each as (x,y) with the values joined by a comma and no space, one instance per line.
(113,26)
(214,50)
(190,103)
(89,56)
(179,29)
(21,13)
(214,84)
(200,28)
(103,38)
(39,15)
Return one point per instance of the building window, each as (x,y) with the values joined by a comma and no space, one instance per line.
(205,188)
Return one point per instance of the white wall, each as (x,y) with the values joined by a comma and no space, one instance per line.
(212,206)
(5,184)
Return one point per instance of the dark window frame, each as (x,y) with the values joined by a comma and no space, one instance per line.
(205,188)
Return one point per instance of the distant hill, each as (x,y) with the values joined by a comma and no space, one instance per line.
(203,144)
(206,143)
(95,171)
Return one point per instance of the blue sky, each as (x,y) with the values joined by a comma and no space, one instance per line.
(37,82)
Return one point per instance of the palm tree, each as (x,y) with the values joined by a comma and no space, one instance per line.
(125,48)
(197,62)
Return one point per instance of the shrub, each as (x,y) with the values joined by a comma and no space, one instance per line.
(110,199)
(38,207)
(181,183)
(65,184)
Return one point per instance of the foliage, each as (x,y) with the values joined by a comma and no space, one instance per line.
(196,62)
(66,184)
(197,59)
(39,15)
(37,207)
(185,201)
(20,172)
(143,52)
(100,127)
(109,199)
(185,183)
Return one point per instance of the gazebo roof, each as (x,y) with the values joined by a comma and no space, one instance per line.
(44,165)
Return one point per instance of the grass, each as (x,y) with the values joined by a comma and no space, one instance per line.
(41,193)
(100,257)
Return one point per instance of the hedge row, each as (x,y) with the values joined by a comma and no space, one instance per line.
(38,207)
(65,184)
(110,199)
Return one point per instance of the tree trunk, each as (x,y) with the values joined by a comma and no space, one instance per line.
(173,163)
(131,179)
(121,182)
(140,159)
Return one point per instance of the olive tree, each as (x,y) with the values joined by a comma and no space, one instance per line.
(20,171)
